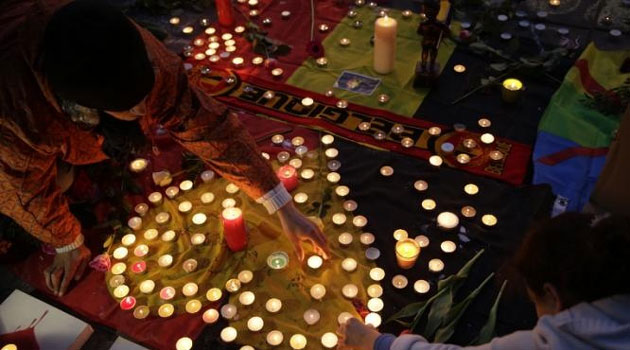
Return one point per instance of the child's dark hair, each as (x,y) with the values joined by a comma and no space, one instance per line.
(583,259)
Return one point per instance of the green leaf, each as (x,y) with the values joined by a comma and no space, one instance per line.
(418,318)
(407,311)
(488,330)
(444,301)
(499,67)
(456,312)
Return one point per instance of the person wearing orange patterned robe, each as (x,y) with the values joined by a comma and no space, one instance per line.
(61,60)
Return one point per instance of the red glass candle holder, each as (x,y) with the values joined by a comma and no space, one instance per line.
(234,229)
(288,176)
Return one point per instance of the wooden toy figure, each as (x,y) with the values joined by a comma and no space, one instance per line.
(432,29)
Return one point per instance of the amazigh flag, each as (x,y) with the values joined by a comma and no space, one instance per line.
(573,138)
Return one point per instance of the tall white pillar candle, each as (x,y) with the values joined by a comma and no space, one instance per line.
(385,29)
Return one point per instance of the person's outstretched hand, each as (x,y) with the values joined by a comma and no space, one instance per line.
(355,335)
(65,267)
(300,229)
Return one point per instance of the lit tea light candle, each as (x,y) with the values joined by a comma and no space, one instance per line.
(121,291)
(228,203)
(166,310)
(400,234)
(199,219)
(311,316)
(459,68)
(189,289)
(273,305)
(364,126)
(147,286)
(469,143)
(463,158)
(428,204)
(214,46)
(422,240)
(167,293)
(372,253)
(116,281)
(275,338)
(118,268)
(301,150)
(257,61)
(189,265)
(421,185)
(278,260)
(231,188)
(436,265)
(186,185)
(489,220)
(377,274)
(469,211)
(350,291)
(331,153)
(238,62)
(554,3)
(366,238)
(200,56)
(141,312)
(162,218)
(350,205)
(447,220)
(496,155)
(207,176)
(151,234)
(333,177)
(128,239)
(334,165)
(307,102)
(359,221)
(288,176)
(407,252)
(296,162)
(193,306)
(339,219)
(511,90)
(323,28)
(255,323)
(135,223)
(421,286)
(300,198)
(141,209)
(387,170)
(188,30)
(174,21)
(297,342)
(254,13)
(245,276)
(172,192)
(247,298)
(197,239)
(165,260)
(487,138)
(214,294)
(241,30)
(127,303)
(407,142)
(228,311)
(198,42)
(471,189)
(448,246)
(307,174)
(210,30)
(373,319)
(375,304)
(141,250)
(277,72)
(210,316)
(436,161)
(484,122)
(375,291)
(349,264)
(329,340)
(230,42)
(314,262)
(184,207)
(228,334)
(345,42)
(318,291)
(139,267)
(345,239)
(184,343)
(382,99)
(168,236)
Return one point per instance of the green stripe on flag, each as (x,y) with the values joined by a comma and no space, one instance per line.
(404,99)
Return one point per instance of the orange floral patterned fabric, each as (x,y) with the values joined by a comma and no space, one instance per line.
(35,134)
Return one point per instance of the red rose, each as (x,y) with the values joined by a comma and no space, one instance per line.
(101,262)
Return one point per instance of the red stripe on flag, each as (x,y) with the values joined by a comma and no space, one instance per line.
(591,85)
(568,153)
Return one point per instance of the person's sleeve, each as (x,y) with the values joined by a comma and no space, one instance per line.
(208,129)
(521,340)
(35,202)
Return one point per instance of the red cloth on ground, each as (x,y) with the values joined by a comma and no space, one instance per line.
(23,339)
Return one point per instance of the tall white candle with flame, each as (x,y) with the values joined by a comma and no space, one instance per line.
(385,29)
